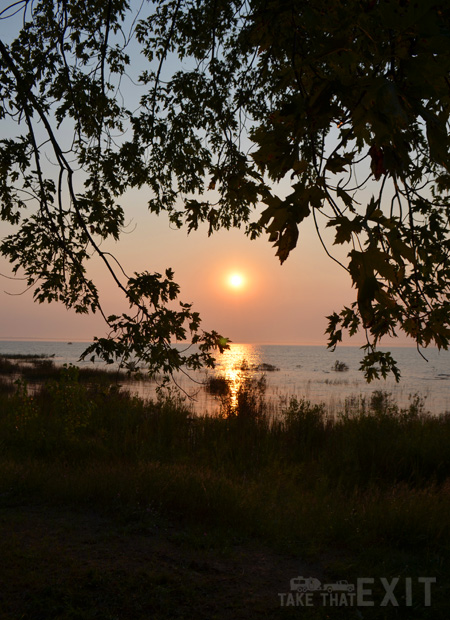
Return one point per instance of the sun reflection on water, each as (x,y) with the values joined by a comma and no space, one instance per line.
(236,365)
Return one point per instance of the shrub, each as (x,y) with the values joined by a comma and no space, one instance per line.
(218,386)
(242,398)
(340,366)
(250,398)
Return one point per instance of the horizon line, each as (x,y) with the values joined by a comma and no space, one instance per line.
(260,343)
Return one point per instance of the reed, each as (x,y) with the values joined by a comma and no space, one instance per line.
(373,477)
(40,369)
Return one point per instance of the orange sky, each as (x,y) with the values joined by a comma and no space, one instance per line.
(277,304)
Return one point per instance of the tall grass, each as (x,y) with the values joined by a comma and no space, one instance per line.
(371,440)
(38,369)
(373,475)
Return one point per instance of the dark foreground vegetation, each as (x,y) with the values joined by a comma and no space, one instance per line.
(41,368)
(116,508)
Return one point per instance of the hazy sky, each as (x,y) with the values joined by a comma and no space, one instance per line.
(276,304)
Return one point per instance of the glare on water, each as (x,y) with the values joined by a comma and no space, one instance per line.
(304,371)
(235,365)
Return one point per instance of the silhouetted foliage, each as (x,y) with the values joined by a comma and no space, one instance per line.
(333,111)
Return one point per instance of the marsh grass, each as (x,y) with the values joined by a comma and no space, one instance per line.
(340,366)
(374,477)
(41,368)
(243,397)
(6,387)
(27,356)
(217,385)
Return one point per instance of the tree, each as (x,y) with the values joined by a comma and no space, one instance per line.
(61,178)
(338,112)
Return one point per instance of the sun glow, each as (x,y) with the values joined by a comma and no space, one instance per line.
(236,281)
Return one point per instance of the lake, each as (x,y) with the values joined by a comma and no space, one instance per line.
(304,371)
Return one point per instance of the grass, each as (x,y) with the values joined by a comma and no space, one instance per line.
(340,366)
(362,493)
(41,368)
(27,356)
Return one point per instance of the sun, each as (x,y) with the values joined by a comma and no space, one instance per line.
(236,281)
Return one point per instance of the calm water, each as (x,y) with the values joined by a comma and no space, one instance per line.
(304,371)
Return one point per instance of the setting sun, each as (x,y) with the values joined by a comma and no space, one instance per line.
(236,281)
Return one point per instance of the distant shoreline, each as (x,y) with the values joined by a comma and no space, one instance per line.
(265,344)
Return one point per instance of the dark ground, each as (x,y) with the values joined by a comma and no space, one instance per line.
(60,563)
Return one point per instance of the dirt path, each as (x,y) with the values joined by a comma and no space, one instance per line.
(58,563)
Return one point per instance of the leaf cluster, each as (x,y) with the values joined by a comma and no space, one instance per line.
(276,112)
(64,171)
(335,103)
